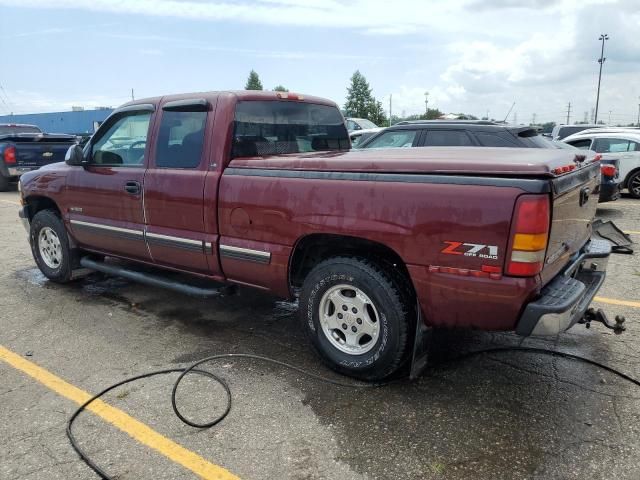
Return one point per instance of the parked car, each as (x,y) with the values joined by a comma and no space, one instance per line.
(562,131)
(24,148)
(610,175)
(622,144)
(354,124)
(261,189)
(456,133)
(359,136)
(477,133)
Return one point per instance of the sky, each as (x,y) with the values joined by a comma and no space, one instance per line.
(471,56)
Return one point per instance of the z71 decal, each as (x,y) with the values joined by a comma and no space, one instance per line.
(471,250)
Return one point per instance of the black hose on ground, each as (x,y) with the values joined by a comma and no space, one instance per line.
(193,369)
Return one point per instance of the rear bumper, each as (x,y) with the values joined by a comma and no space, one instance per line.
(609,192)
(564,300)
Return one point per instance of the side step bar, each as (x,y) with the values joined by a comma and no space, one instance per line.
(149,279)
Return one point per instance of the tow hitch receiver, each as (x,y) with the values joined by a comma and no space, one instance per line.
(593,315)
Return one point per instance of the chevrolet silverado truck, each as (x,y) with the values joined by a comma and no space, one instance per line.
(260,189)
(24,148)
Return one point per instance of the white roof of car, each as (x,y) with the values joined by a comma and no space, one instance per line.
(609,132)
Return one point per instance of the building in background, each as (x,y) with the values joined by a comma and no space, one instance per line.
(76,122)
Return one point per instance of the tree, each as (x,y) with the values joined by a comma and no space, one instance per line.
(432,114)
(253,82)
(280,88)
(376,113)
(359,98)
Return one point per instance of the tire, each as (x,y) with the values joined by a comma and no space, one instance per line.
(4,183)
(379,317)
(633,185)
(50,246)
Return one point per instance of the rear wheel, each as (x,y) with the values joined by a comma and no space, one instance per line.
(50,246)
(633,184)
(357,316)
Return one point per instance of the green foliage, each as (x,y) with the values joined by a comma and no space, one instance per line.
(360,103)
(432,114)
(280,88)
(548,127)
(253,82)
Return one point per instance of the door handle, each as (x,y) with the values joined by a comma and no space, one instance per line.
(132,187)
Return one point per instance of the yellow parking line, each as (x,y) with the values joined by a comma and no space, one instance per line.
(10,202)
(134,428)
(613,301)
(633,233)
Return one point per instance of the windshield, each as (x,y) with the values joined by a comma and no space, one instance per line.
(365,124)
(12,129)
(279,127)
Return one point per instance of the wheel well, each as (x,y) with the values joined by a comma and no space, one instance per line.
(629,175)
(314,248)
(36,204)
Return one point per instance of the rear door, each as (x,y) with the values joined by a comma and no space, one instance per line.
(104,198)
(174,188)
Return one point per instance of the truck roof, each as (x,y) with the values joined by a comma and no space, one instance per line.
(530,162)
(239,94)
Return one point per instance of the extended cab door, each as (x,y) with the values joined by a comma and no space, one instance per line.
(174,188)
(104,198)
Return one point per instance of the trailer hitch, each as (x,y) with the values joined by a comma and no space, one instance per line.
(593,315)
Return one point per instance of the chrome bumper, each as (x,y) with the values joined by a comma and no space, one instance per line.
(17,171)
(566,298)
(24,218)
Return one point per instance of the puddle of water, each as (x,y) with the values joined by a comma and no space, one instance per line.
(34,276)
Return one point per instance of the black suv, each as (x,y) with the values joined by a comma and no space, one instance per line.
(458,133)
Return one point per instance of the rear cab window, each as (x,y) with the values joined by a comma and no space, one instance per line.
(180,139)
(14,129)
(489,139)
(275,127)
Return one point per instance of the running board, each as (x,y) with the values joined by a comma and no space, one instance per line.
(149,279)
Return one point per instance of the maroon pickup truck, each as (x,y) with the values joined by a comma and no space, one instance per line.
(260,189)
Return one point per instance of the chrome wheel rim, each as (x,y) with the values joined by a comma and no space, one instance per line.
(635,185)
(50,247)
(349,319)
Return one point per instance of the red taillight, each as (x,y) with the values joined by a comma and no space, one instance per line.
(10,155)
(608,170)
(529,236)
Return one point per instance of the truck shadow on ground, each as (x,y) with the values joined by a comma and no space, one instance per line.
(507,415)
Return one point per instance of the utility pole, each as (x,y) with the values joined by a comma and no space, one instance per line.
(639,113)
(515,118)
(390,107)
(586,115)
(426,104)
(487,114)
(609,117)
(568,113)
(533,119)
(601,61)
(593,110)
(132,97)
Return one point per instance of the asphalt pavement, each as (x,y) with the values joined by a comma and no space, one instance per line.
(493,416)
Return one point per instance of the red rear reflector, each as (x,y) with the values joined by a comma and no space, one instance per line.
(491,269)
(608,170)
(522,269)
(10,155)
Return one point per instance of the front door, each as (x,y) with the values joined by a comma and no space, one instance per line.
(105,198)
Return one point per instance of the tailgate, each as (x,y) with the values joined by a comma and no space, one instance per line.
(574,206)
(37,154)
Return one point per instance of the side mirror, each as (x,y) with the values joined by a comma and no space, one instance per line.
(74,156)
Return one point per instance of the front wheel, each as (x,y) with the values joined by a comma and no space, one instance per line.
(50,246)
(634,185)
(358,317)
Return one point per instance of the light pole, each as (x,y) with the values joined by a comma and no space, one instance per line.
(601,60)
(426,105)
(639,113)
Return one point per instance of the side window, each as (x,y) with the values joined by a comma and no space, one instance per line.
(487,139)
(180,139)
(581,144)
(611,145)
(123,144)
(448,138)
(634,147)
(398,138)
(351,125)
